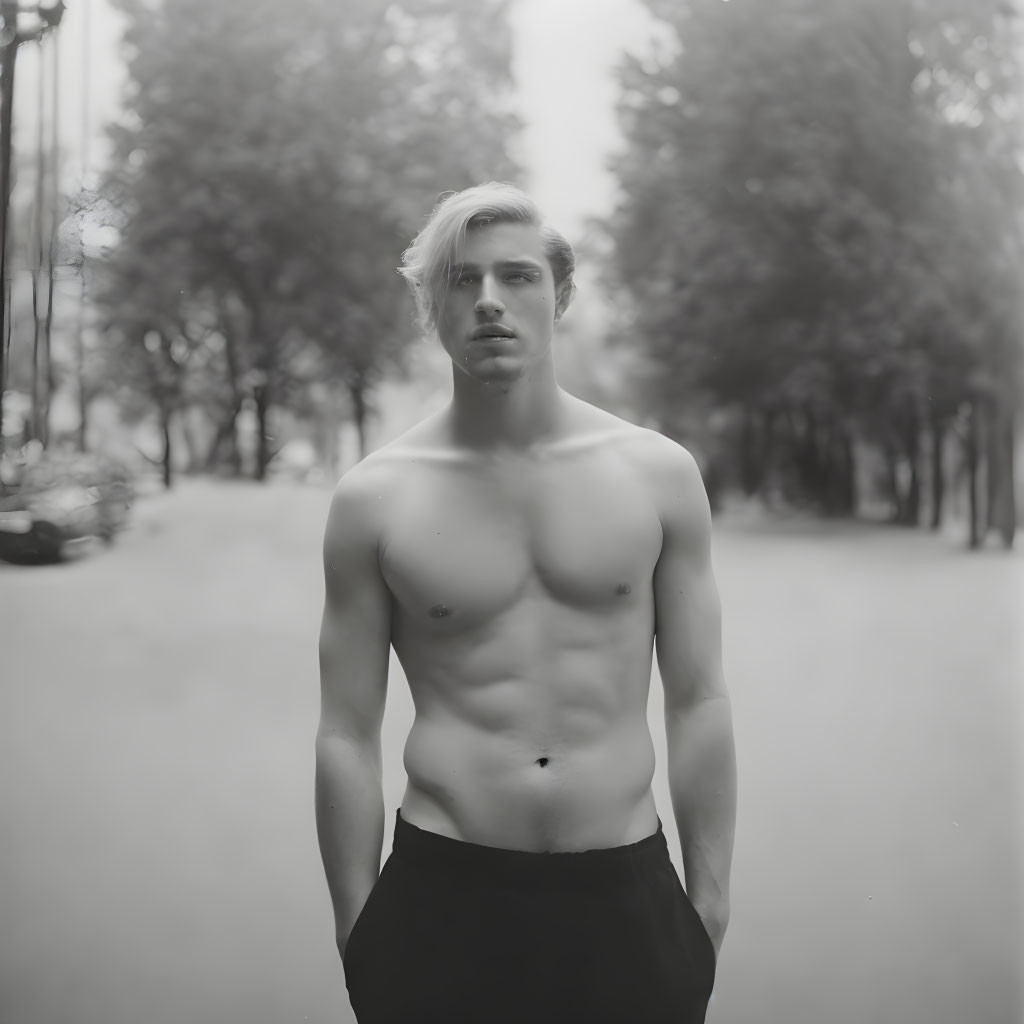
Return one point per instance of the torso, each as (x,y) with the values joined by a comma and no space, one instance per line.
(523,615)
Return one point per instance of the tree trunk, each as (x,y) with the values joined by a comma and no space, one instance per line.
(1002,505)
(938,436)
(165,424)
(829,469)
(196,461)
(749,463)
(39,368)
(848,472)
(262,396)
(226,434)
(895,493)
(359,415)
(5,349)
(83,388)
(837,468)
(912,506)
(974,533)
(990,457)
(1008,527)
(815,480)
(227,431)
(767,456)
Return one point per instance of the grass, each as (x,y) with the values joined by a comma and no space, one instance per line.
(157,712)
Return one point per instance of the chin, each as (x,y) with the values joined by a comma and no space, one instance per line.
(497,375)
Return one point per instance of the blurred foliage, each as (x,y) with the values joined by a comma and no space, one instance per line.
(274,162)
(819,234)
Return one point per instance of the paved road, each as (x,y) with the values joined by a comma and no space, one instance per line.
(157,709)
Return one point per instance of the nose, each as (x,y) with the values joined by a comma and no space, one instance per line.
(489,302)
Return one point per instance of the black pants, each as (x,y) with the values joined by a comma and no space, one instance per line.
(455,933)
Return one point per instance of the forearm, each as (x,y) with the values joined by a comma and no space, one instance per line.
(350,825)
(702,783)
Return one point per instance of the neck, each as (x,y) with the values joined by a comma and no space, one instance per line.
(514,414)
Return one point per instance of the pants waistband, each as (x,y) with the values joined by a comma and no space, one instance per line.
(417,846)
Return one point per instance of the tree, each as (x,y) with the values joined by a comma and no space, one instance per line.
(159,349)
(285,158)
(799,229)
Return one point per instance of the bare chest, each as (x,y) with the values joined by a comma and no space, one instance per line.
(467,543)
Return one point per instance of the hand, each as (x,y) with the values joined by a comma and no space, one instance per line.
(715,921)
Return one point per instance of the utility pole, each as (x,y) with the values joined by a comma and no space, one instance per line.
(9,43)
(83,389)
(19,23)
(39,216)
(54,201)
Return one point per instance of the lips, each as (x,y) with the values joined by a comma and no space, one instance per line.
(485,331)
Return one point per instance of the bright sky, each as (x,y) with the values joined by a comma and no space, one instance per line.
(565,54)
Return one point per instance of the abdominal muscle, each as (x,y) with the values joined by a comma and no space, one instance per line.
(578,779)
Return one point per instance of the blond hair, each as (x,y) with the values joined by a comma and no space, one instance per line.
(426,264)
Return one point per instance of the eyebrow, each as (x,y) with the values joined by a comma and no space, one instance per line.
(523,264)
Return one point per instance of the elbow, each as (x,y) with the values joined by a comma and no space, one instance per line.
(341,756)
(711,698)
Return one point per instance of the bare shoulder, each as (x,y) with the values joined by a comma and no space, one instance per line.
(357,503)
(589,427)
(646,448)
(673,477)
(369,489)
(673,467)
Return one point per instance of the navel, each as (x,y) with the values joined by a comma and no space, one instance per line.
(542,761)
(440,611)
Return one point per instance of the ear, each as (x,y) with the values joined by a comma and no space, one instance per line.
(563,297)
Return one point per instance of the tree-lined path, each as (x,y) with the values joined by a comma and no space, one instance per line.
(157,710)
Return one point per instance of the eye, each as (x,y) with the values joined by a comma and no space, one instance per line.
(464,280)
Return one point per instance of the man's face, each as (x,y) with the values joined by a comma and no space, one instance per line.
(497,316)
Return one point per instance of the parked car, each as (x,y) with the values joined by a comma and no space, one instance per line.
(60,499)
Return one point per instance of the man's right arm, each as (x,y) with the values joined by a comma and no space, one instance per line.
(354,650)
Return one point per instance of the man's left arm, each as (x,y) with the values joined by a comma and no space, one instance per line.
(698,714)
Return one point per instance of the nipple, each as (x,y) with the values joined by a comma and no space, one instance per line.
(440,611)
(623,588)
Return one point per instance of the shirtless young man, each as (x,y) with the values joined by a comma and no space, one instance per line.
(522,551)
